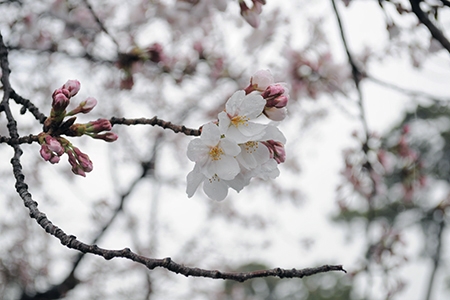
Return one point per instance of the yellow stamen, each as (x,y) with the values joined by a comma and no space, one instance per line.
(215,152)
(239,120)
(251,146)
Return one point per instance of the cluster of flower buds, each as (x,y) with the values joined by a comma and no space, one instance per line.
(53,146)
(99,129)
(251,15)
(275,94)
(234,149)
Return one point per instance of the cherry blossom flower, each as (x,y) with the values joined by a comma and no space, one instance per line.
(239,110)
(214,155)
(214,187)
(252,154)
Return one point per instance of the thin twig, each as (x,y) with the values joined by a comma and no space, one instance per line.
(100,23)
(27,105)
(408,92)
(423,18)
(367,167)
(356,73)
(155,122)
(436,258)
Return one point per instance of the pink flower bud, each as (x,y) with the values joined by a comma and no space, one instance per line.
(72,159)
(273,91)
(61,91)
(45,152)
(260,81)
(51,149)
(84,107)
(54,159)
(60,101)
(107,137)
(276,95)
(80,162)
(278,102)
(257,6)
(73,86)
(98,126)
(275,114)
(83,159)
(250,15)
(276,150)
(54,145)
(88,104)
(156,53)
(78,170)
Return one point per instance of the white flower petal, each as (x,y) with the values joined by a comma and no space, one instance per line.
(273,133)
(252,106)
(253,154)
(197,150)
(227,168)
(262,154)
(230,147)
(224,122)
(235,101)
(215,189)
(276,114)
(239,182)
(209,169)
(252,130)
(194,178)
(236,135)
(210,134)
(268,170)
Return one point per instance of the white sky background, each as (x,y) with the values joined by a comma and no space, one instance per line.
(320,150)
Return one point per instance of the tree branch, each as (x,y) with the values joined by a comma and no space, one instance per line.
(100,23)
(411,93)
(70,241)
(423,18)
(356,73)
(27,105)
(21,140)
(155,122)
(367,166)
(71,281)
(437,256)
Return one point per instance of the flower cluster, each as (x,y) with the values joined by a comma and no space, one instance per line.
(53,146)
(234,149)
